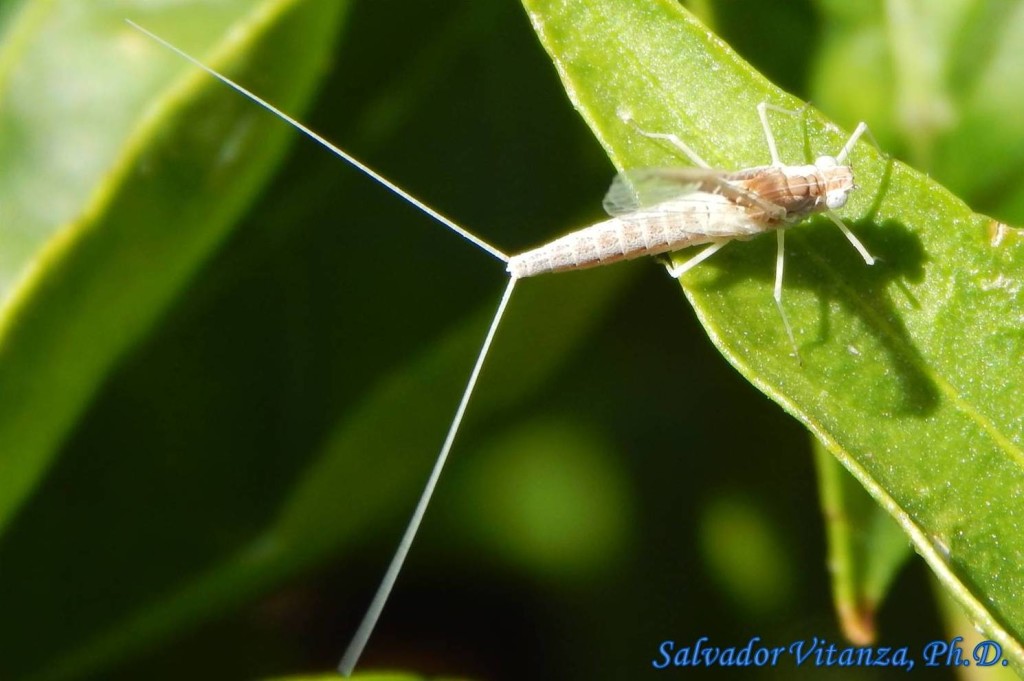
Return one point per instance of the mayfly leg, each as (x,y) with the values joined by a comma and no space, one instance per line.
(769,137)
(851,237)
(780,261)
(669,137)
(840,158)
(369,621)
(676,271)
(860,130)
(780,252)
(770,198)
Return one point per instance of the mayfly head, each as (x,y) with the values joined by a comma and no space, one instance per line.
(838,180)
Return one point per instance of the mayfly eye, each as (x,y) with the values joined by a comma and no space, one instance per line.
(836,199)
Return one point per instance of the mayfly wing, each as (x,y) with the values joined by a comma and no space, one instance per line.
(641,189)
(638,188)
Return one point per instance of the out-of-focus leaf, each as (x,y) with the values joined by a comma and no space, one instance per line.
(95,239)
(939,93)
(749,561)
(122,172)
(866,548)
(964,643)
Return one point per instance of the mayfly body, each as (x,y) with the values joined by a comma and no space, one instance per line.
(652,211)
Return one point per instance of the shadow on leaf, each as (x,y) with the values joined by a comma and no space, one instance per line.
(820,260)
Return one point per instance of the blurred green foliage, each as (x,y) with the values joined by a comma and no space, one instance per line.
(219,493)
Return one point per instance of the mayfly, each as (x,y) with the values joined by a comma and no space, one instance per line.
(653,211)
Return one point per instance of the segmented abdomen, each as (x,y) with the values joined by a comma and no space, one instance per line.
(698,218)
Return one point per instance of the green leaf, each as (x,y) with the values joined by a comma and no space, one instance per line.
(938,97)
(122,172)
(866,549)
(96,244)
(911,369)
(959,626)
